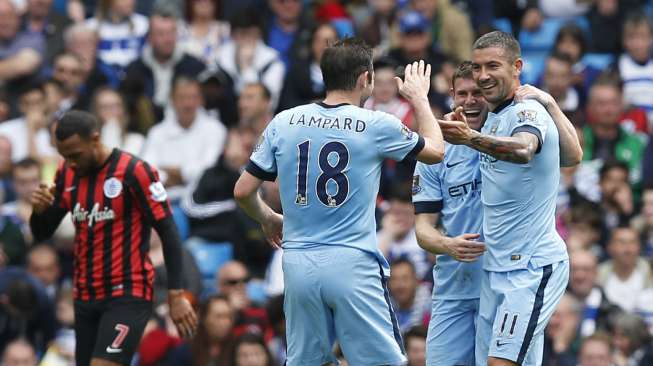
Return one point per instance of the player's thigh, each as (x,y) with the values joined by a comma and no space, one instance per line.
(487,310)
(366,326)
(452,329)
(309,320)
(529,297)
(87,318)
(121,328)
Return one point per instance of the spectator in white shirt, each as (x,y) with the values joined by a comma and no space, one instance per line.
(626,274)
(187,141)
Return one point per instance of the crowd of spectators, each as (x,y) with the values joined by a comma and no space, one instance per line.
(190,85)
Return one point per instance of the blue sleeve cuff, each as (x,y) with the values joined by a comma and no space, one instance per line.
(530,129)
(259,173)
(419,146)
(428,207)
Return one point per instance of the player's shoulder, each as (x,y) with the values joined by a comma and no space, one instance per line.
(376,117)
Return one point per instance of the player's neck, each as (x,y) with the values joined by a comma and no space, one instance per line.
(103,155)
(336,97)
(509,97)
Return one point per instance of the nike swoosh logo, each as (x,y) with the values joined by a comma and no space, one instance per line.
(454,164)
(70,189)
(113,350)
(499,344)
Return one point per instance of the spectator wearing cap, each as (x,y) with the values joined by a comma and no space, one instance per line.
(246,59)
(161,61)
(415,42)
(304,83)
(450,29)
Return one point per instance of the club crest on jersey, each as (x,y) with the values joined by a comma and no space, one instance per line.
(112,187)
(416,187)
(158,192)
(527,115)
(408,134)
(80,214)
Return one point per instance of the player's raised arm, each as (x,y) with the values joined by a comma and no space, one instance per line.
(571,153)
(415,88)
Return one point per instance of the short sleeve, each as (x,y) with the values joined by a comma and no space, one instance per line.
(427,190)
(530,116)
(394,140)
(262,163)
(150,192)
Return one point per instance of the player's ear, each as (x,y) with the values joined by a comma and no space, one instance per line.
(451,93)
(518,65)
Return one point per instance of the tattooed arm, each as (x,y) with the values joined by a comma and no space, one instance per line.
(518,148)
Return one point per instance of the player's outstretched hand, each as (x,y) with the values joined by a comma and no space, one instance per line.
(182,313)
(455,129)
(273,229)
(463,248)
(417,81)
(527,91)
(43,197)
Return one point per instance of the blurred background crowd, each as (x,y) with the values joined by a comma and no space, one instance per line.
(190,85)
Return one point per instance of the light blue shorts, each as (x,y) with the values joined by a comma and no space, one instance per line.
(452,330)
(515,308)
(338,293)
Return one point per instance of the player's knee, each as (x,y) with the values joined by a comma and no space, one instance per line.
(101,362)
(493,361)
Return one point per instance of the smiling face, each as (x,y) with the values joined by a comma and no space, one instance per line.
(496,74)
(467,94)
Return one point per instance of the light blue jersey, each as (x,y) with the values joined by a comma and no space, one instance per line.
(328,160)
(329,163)
(453,189)
(519,199)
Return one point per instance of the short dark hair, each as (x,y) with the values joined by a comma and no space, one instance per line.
(36,85)
(245,18)
(401,192)
(27,163)
(612,164)
(343,62)
(574,32)
(502,40)
(403,260)
(464,71)
(557,55)
(264,89)
(637,18)
(76,122)
(184,79)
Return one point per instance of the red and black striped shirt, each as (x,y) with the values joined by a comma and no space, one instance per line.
(113,210)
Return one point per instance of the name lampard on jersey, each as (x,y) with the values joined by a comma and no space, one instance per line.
(80,214)
(345,124)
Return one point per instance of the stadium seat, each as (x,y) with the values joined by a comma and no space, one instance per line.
(542,39)
(209,258)
(598,61)
(182,221)
(502,24)
(534,63)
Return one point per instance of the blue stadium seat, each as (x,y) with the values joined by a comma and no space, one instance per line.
(541,40)
(599,61)
(502,24)
(209,258)
(182,221)
(534,63)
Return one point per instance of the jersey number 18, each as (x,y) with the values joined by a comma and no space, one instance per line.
(328,172)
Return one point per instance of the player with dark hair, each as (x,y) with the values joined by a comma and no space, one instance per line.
(115,200)
(328,158)
(526,263)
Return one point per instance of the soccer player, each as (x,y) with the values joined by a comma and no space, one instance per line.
(328,157)
(526,263)
(115,200)
(451,191)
